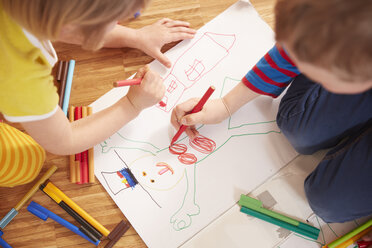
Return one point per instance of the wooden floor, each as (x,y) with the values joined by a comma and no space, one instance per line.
(94,74)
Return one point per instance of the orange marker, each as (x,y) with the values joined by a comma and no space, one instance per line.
(197,108)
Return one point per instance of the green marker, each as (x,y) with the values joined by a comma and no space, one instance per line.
(280,223)
(256,205)
(350,234)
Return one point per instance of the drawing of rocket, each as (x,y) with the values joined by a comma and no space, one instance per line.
(205,54)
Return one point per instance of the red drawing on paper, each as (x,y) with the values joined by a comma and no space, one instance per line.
(202,57)
(200,143)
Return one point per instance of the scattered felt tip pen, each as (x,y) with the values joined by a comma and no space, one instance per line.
(255,208)
(57,195)
(352,236)
(66,97)
(44,213)
(3,243)
(14,211)
(63,78)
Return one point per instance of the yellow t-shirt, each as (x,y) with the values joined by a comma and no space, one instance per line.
(27,91)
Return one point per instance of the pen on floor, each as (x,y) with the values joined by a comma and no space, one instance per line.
(255,208)
(78,156)
(352,236)
(14,211)
(57,195)
(70,74)
(91,155)
(84,154)
(44,213)
(62,86)
(86,228)
(59,71)
(71,117)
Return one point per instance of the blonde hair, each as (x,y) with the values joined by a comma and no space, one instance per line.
(45,18)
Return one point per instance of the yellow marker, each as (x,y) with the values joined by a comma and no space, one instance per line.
(57,195)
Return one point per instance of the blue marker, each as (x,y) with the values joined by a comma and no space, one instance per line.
(2,242)
(44,214)
(70,74)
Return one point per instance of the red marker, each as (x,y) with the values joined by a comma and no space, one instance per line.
(130,82)
(197,108)
(78,156)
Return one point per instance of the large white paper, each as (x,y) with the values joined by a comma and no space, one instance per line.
(169,198)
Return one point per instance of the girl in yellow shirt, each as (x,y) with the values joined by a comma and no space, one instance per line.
(27,92)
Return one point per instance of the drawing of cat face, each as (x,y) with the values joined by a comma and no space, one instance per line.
(152,173)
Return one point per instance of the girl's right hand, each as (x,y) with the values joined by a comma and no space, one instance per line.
(149,92)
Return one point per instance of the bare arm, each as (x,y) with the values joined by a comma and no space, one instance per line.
(239,96)
(149,39)
(214,111)
(57,135)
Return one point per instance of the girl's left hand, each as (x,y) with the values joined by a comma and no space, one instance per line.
(152,38)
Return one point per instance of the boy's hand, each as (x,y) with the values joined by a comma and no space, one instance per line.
(213,112)
(152,38)
(149,92)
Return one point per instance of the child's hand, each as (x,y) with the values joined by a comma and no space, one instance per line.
(149,92)
(213,112)
(152,38)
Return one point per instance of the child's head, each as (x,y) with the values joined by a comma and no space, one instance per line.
(92,18)
(330,41)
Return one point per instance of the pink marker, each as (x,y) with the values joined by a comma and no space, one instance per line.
(130,82)
(127,82)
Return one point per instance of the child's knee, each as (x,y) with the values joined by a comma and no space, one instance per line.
(325,203)
(302,139)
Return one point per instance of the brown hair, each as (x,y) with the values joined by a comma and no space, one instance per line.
(333,34)
(45,18)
